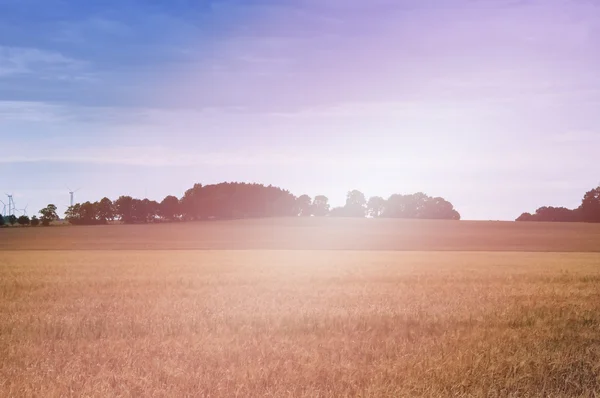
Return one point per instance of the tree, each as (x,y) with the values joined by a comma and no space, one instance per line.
(406,206)
(143,211)
(48,215)
(281,203)
(2,222)
(552,214)
(105,210)
(590,206)
(375,206)
(304,203)
(588,211)
(124,209)
(191,205)
(138,211)
(237,200)
(320,206)
(82,214)
(525,217)
(438,209)
(12,219)
(170,208)
(356,204)
(73,214)
(88,213)
(419,206)
(23,220)
(231,200)
(148,211)
(35,221)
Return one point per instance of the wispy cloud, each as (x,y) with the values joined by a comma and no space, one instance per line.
(35,112)
(30,111)
(148,156)
(22,61)
(81,30)
(346,162)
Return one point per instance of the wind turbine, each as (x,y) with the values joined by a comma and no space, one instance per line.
(3,209)
(11,205)
(72,193)
(24,211)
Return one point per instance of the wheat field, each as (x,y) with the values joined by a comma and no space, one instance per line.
(297,323)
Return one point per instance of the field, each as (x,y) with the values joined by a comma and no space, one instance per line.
(301,308)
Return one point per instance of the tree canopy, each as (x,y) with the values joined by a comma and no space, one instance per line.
(588,211)
(376,206)
(170,209)
(242,200)
(320,206)
(304,204)
(48,215)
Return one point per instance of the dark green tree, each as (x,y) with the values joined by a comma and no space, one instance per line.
(139,212)
(525,217)
(88,213)
(144,211)
(192,203)
(237,200)
(124,209)
(48,215)
(105,210)
(35,221)
(73,214)
(170,208)
(152,210)
(590,206)
(23,220)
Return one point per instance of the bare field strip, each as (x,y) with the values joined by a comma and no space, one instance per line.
(314,234)
(299,323)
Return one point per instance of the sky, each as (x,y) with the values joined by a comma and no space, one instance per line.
(491,104)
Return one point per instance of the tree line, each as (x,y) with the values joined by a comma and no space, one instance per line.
(588,211)
(227,201)
(47,215)
(241,200)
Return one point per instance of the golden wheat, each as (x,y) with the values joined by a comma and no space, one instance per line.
(298,323)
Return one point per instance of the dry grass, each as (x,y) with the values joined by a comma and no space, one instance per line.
(299,323)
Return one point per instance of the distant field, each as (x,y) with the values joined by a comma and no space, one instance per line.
(315,234)
(500,309)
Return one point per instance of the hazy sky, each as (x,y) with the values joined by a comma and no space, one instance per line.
(492,104)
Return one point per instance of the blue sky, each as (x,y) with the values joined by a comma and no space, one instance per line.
(492,104)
